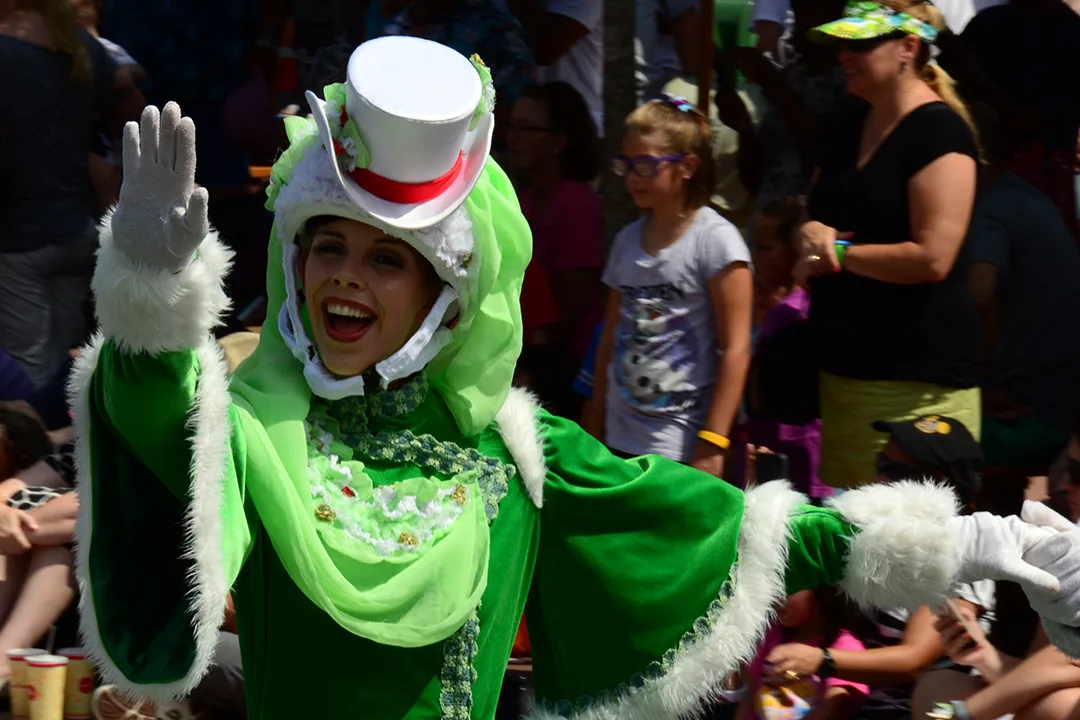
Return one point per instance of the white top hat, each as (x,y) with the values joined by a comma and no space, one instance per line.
(423,117)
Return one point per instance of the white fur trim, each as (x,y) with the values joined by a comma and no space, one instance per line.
(699,673)
(904,553)
(1065,638)
(209,586)
(155,310)
(520,430)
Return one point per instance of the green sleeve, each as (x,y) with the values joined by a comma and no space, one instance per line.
(163,525)
(654,582)
(817,548)
(636,564)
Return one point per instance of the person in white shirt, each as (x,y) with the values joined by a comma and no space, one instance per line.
(568,43)
(665,44)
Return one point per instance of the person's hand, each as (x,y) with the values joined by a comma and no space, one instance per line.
(970,649)
(1000,405)
(708,458)
(1059,555)
(161,218)
(14,524)
(816,244)
(791,662)
(752,454)
(991,547)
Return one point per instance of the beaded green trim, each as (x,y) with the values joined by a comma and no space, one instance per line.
(659,668)
(445,458)
(458,673)
(356,413)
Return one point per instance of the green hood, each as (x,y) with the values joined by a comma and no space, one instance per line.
(474,368)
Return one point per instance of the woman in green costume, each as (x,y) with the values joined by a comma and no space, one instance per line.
(382,505)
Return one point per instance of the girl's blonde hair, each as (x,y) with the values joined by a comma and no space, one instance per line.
(59,19)
(932,73)
(687,132)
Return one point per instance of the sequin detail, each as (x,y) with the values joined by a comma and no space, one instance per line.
(655,670)
(458,673)
(443,458)
(387,518)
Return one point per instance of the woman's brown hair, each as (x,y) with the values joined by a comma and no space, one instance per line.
(568,114)
(687,132)
(59,19)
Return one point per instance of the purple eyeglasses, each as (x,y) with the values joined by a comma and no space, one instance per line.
(645,166)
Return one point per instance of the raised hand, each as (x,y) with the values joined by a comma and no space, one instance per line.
(161,218)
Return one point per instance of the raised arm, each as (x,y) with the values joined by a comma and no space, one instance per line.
(159,451)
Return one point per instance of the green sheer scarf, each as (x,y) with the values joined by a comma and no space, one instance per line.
(411,604)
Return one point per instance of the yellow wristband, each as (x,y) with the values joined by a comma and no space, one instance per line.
(715,438)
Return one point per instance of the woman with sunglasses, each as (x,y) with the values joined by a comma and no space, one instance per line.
(672,361)
(895,330)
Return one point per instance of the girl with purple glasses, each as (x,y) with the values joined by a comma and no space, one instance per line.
(674,354)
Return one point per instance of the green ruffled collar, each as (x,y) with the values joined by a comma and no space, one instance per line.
(371,412)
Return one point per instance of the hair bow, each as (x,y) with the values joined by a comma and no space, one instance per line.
(680,103)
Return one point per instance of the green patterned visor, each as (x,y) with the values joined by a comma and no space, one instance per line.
(867,20)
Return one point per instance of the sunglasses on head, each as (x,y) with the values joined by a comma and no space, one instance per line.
(645,166)
(861,47)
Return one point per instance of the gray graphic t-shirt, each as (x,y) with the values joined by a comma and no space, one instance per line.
(664,358)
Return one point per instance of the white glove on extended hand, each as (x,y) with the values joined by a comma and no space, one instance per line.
(992,547)
(161,218)
(1059,555)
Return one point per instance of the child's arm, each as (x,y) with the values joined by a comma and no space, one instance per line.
(55,521)
(593,418)
(1044,672)
(905,662)
(732,295)
(40,474)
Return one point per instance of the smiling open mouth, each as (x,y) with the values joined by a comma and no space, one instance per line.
(346,321)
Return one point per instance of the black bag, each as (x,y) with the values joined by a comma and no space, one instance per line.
(783,380)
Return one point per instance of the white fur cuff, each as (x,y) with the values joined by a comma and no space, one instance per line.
(904,553)
(153,311)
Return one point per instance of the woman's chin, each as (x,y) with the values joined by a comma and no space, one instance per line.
(342,363)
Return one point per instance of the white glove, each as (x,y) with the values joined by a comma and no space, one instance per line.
(161,218)
(992,547)
(1058,555)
